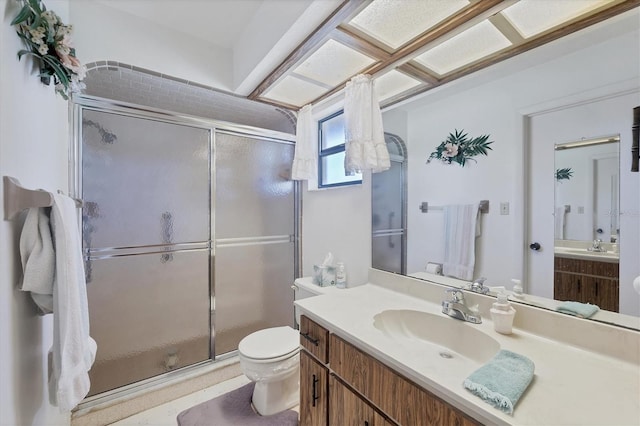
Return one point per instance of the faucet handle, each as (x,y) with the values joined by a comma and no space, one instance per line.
(456,294)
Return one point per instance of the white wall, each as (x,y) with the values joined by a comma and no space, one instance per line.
(33,148)
(338,220)
(496,101)
(103,33)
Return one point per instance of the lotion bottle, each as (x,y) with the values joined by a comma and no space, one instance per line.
(502,314)
(517,289)
(341,276)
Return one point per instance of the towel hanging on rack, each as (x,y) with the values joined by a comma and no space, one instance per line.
(461,227)
(38,259)
(18,198)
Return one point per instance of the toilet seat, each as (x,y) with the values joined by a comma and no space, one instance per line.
(270,345)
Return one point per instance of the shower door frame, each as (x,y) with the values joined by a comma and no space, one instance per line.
(85,102)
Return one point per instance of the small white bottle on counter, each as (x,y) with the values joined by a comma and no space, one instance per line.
(502,314)
(341,275)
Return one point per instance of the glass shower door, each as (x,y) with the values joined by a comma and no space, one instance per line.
(254,237)
(146,238)
(388,239)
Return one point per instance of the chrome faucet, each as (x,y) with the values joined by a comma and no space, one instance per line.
(478,286)
(597,246)
(455,307)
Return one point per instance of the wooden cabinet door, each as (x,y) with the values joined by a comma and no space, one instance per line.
(348,409)
(606,294)
(313,391)
(567,286)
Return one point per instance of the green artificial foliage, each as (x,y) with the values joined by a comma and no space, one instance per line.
(458,148)
(564,174)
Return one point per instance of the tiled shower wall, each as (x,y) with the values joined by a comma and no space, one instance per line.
(122,82)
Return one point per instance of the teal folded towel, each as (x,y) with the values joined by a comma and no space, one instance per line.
(502,381)
(582,310)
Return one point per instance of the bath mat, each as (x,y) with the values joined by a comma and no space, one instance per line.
(233,409)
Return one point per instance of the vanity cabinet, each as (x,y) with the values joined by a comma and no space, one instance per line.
(364,391)
(587,281)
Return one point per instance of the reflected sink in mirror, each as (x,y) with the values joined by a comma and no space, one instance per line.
(605,256)
(451,334)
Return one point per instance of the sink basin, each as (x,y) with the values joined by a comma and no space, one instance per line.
(440,331)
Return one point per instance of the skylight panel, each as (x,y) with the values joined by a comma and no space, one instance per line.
(531,17)
(294,91)
(395,22)
(475,43)
(393,83)
(333,63)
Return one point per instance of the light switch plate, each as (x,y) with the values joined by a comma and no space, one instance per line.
(504,208)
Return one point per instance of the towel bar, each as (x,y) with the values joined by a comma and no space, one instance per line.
(425,207)
(18,198)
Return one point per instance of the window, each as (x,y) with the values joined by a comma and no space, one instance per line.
(331,153)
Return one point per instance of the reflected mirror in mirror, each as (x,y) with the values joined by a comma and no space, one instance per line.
(586,230)
(587,190)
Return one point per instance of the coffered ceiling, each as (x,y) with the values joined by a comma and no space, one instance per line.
(411,46)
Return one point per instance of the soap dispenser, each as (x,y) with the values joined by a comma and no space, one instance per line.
(517,289)
(502,314)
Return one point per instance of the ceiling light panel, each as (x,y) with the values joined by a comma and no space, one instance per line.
(395,22)
(294,91)
(333,63)
(393,83)
(475,43)
(531,17)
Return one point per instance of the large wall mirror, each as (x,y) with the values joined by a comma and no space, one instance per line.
(578,201)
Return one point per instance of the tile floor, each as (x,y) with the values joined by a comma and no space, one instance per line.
(166,414)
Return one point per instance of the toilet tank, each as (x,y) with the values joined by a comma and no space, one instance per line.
(303,288)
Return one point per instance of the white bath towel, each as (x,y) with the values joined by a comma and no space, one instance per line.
(461,227)
(73,350)
(38,258)
(560,219)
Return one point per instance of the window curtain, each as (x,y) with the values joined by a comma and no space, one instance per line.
(364,146)
(305,161)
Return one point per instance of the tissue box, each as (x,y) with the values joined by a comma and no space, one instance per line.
(324,276)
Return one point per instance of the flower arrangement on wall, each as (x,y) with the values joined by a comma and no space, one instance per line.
(48,41)
(458,148)
(564,174)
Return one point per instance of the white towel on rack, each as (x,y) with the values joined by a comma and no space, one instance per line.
(73,351)
(38,258)
(461,227)
(560,219)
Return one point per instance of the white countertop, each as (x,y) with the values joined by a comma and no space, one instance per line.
(584,254)
(571,385)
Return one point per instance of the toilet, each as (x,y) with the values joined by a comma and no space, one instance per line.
(271,359)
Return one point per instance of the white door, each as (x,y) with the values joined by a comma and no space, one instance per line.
(588,120)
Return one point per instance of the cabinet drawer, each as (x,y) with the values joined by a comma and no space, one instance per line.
(315,339)
(587,267)
(384,388)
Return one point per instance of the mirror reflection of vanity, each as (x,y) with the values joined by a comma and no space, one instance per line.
(586,263)
(567,91)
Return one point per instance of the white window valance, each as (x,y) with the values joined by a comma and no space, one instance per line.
(365,148)
(305,160)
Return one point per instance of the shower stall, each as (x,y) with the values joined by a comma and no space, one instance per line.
(190,237)
(389,210)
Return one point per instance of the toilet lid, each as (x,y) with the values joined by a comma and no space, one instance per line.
(270,343)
